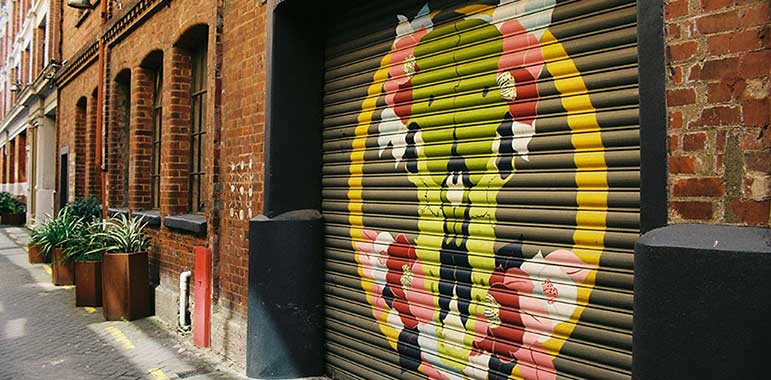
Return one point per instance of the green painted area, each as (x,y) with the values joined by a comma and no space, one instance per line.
(458,109)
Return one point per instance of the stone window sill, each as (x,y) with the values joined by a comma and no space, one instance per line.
(192,223)
(151,217)
(117,212)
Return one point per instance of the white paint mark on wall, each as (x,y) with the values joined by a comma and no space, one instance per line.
(241,188)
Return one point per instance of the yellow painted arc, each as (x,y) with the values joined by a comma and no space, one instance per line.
(591,173)
(356,171)
(591,178)
(472,9)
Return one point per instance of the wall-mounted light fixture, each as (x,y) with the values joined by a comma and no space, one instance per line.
(80,4)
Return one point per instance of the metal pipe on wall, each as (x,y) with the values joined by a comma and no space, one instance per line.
(100,115)
(184,280)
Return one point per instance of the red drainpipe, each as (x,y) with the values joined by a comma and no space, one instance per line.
(100,115)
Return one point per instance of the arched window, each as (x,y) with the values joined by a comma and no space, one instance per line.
(79,155)
(145,191)
(118,147)
(157,127)
(197,128)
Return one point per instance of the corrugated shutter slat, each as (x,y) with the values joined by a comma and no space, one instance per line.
(480,176)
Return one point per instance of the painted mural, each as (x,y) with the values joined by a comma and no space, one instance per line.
(240,184)
(458,300)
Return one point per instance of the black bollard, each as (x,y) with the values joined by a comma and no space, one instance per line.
(702,303)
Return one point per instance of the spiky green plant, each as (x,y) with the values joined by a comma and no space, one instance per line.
(57,231)
(36,233)
(37,236)
(90,209)
(10,204)
(125,235)
(87,243)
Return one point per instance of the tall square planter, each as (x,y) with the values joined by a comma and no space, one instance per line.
(88,283)
(125,286)
(62,273)
(13,219)
(35,256)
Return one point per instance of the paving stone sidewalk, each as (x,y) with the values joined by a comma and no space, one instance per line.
(44,336)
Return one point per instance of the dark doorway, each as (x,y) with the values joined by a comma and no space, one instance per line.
(64,179)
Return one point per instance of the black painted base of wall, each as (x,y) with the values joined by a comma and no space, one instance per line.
(702,303)
(285,328)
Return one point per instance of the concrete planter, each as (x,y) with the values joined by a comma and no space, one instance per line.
(62,273)
(88,283)
(125,286)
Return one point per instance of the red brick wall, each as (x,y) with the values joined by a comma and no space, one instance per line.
(55,18)
(71,127)
(2,164)
(176,135)
(6,163)
(171,254)
(78,154)
(718,58)
(118,140)
(38,52)
(79,32)
(12,162)
(141,139)
(234,140)
(242,138)
(21,156)
(15,22)
(25,77)
(240,141)
(93,184)
(172,250)
(14,77)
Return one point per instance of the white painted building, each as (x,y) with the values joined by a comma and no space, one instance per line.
(28,103)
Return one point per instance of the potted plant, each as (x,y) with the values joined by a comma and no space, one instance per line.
(34,251)
(89,209)
(52,242)
(12,210)
(125,284)
(85,248)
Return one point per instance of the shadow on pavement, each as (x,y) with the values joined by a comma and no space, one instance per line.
(44,336)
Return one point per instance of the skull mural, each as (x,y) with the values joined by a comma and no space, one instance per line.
(457,300)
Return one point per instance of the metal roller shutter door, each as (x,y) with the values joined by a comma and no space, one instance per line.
(481,189)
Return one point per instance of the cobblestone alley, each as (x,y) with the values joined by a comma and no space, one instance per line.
(44,336)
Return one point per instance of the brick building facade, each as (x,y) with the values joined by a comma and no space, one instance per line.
(28,59)
(718,55)
(184,121)
(157,52)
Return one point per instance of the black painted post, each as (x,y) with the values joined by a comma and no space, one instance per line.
(702,307)
(286,312)
(285,329)
(653,115)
